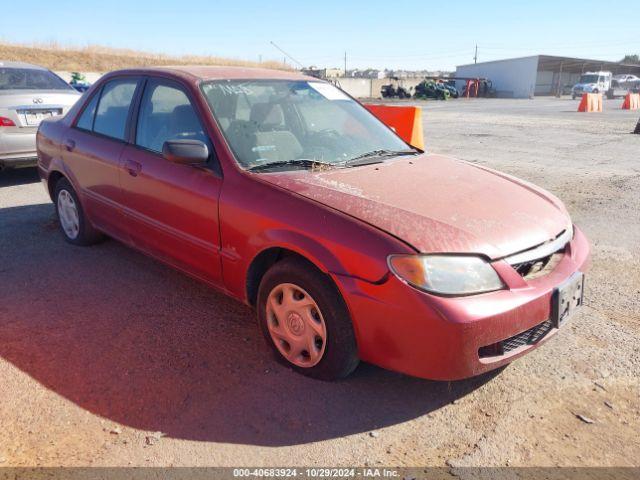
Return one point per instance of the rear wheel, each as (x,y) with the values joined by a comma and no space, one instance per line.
(305,320)
(73,223)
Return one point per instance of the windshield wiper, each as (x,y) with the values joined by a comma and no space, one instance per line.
(302,162)
(368,157)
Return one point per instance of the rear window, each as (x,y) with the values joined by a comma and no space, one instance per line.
(86,119)
(113,108)
(30,79)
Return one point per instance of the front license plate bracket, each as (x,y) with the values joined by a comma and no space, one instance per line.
(566,298)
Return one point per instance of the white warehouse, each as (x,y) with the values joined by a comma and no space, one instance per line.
(526,77)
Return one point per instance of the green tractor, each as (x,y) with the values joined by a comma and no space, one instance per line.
(430,89)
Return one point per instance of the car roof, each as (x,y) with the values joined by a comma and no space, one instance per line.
(8,64)
(200,72)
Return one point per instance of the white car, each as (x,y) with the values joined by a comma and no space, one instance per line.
(626,78)
(28,94)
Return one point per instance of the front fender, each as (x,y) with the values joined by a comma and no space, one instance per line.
(302,244)
(256,216)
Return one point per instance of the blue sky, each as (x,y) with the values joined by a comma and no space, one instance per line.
(397,34)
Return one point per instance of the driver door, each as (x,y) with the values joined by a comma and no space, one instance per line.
(171,209)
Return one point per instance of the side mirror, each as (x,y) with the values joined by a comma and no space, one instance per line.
(185,152)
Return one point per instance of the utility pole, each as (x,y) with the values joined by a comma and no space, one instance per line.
(475,57)
(345,64)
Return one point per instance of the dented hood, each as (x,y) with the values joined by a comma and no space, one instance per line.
(437,203)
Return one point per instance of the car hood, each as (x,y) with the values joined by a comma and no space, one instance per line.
(437,204)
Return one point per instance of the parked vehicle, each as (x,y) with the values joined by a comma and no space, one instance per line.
(592,82)
(479,88)
(28,94)
(453,91)
(394,89)
(625,79)
(623,84)
(286,194)
(431,89)
(79,82)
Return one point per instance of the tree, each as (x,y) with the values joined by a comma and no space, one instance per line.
(634,59)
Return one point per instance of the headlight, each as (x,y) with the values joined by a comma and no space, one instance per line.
(446,274)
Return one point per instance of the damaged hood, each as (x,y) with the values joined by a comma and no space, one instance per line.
(437,204)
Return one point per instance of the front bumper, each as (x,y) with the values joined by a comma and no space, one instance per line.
(409,331)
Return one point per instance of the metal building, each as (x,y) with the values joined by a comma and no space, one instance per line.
(526,77)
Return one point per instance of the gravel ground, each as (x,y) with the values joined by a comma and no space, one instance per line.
(110,358)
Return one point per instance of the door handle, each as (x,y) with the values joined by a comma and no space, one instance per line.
(132,167)
(70,145)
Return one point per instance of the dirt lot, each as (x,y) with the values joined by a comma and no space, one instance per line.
(102,347)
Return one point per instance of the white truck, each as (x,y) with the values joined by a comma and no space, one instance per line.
(592,82)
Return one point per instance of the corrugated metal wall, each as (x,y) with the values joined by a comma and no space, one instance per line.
(513,78)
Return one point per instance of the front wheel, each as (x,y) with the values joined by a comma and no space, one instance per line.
(305,320)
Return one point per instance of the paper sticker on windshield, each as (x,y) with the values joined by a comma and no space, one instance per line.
(328,91)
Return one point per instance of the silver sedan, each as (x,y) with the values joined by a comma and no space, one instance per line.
(28,94)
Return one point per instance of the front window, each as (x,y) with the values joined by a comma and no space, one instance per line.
(166,114)
(276,121)
(30,79)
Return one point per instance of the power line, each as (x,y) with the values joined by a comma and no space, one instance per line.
(289,56)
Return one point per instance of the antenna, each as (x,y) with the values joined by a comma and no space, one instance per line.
(289,56)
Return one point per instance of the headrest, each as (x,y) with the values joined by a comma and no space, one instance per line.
(267,114)
(184,119)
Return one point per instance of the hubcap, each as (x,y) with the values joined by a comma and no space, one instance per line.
(296,325)
(68,213)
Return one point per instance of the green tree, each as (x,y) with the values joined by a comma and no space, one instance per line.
(634,59)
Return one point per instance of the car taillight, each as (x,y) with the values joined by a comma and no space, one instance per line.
(6,122)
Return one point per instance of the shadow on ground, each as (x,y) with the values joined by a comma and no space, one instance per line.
(137,343)
(19,176)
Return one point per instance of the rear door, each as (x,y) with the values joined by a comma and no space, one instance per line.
(93,149)
(171,210)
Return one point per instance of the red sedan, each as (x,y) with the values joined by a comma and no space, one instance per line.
(287,194)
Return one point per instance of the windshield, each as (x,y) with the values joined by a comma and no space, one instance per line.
(30,79)
(589,79)
(276,121)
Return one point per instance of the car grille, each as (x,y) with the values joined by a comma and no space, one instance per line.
(528,337)
(538,267)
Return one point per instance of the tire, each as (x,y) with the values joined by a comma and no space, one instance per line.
(65,200)
(338,356)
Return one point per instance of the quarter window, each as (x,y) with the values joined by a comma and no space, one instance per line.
(113,108)
(86,119)
(166,114)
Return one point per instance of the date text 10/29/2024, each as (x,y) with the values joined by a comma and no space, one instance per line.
(364,472)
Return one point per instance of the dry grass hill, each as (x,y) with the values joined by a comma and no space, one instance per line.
(95,58)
